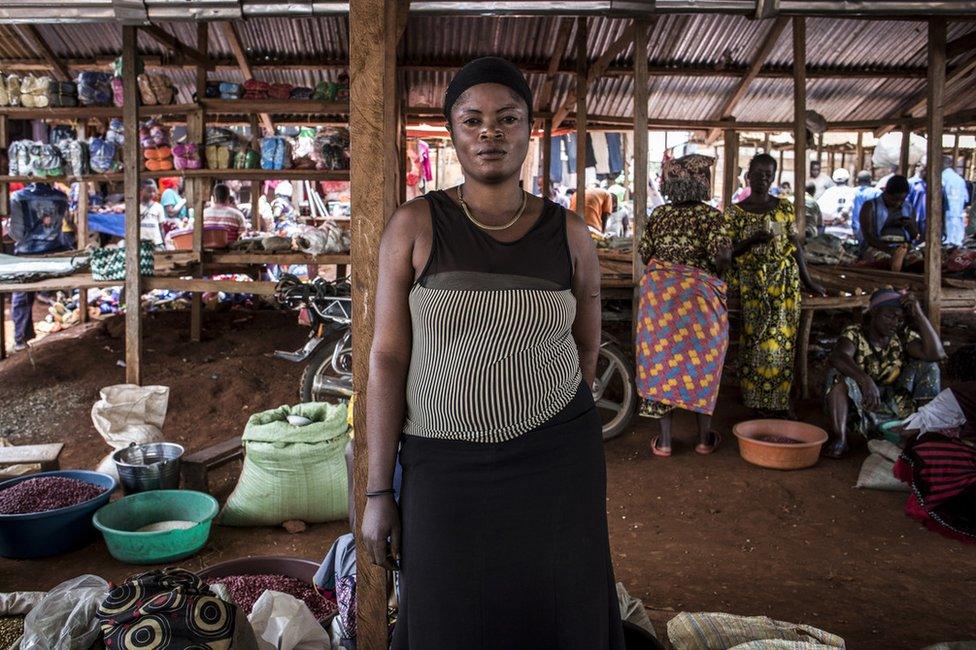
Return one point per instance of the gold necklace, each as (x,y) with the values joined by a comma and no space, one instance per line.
(467,212)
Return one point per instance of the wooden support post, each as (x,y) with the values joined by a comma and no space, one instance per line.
(859,153)
(581,116)
(766,142)
(133,279)
(81,225)
(546,184)
(731,159)
(198,189)
(779,167)
(640,152)
(257,187)
(955,156)
(906,139)
(933,170)
(373,124)
(799,121)
(5,212)
(820,150)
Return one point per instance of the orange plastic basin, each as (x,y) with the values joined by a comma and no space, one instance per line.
(778,455)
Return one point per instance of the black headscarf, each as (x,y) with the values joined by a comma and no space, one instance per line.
(487,70)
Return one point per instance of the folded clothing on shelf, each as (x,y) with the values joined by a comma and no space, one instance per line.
(155,89)
(301,92)
(62,93)
(95,89)
(229,90)
(118,92)
(254,89)
(247,159)
(12,90)
(34,91)
(186,156)
(280,91)
(75,155)
(218,156)
(275,153)
(325,91)
(331,148)
(103,155)
(156,150)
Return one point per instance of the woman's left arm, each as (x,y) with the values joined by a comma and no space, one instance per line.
(586,289)
(929,347)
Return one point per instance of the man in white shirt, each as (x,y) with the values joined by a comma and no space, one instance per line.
(151,214)
(821,181)
(836,205)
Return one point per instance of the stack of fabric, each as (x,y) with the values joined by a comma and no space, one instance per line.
(118,92)
(103,155)
(280,91)
(301,92)
(10,95)
(30,158)
(4,94)
(156,89)
(62,93)
(212,90)
(230,90)
(95,89)
(75,155)
(275,153)
(155,142)
(254,89)
(220,147)
(34,91)
(247,158)
(187,156)
(331,149)
(325,91)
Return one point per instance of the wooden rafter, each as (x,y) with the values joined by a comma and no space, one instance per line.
(961,45)
(230,33)
(916,103)
(597,70)
(30,34)
(175,45)
(562,40)
(741,88)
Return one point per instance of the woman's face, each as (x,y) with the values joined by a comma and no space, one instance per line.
(887,320)
(490,129)
(760,177)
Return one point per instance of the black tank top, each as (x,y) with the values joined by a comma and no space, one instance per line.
(493,354)
(460,246)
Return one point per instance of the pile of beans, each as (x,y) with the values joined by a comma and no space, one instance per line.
(11,629)
(781,440)
(245,590)
(45,493)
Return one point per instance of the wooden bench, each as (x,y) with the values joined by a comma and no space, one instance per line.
(195,466)
(44,455)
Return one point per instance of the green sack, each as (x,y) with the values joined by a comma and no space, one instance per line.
(292,472)
(109,263)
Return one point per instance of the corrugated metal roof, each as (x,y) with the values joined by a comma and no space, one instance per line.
(711,41)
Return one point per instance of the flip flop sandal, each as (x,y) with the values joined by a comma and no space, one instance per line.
(705,449)
(663,452)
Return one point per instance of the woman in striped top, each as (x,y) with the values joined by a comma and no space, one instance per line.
(486,340)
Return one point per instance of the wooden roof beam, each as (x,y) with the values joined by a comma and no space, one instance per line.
(33,38)
(562,40)
(597,70)
(230,33)
(741,88)
(176,46)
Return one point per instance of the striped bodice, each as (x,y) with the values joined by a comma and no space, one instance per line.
(493,353)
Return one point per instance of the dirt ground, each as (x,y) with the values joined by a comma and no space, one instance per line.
(688,533)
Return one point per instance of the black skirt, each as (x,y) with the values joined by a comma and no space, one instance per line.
(505,544)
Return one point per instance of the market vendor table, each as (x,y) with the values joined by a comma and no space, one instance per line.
(66,283)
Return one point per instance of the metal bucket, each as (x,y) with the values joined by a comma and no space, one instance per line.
(153,466)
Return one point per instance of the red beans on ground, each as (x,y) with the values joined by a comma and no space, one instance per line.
(45,493)
(245,590)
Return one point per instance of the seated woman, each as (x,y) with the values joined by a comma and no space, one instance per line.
(889,229)
(881,369)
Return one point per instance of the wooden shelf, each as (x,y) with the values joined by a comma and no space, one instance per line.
(95,178)
(68,282)
(275,106)
(201,285)
(231,257)
(253,174)
(100,112)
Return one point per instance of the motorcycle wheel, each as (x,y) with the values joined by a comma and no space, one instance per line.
(319,369)
(616,398)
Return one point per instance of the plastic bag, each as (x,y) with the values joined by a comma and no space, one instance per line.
(877,469)
(127,413)
(887,153)
(17,603)
(282,622)
(65,618)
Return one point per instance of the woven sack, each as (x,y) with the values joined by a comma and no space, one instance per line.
(292,472)
(109,263)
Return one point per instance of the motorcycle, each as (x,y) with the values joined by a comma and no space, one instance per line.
(325,307)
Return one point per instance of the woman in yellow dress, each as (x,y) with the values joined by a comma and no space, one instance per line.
(767,268)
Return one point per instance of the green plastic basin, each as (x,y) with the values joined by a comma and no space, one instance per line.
(119,521)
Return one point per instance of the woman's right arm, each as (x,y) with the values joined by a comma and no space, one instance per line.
(842,358)
(389,360)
